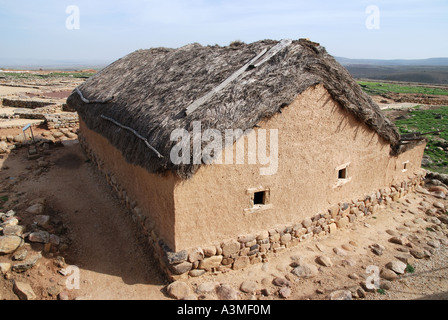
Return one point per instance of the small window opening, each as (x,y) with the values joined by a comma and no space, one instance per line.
(342,174)
(405,166)
(260,198)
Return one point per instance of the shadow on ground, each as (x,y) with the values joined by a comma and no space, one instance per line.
(104,242)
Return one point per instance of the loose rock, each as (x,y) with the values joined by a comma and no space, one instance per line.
(37,209)
(179,290)
(361,293)
(434,243)
(305,271)
(397,266)
(377,249)
(206,288)
(20,254)
(439,205)
(399,240)
(9,244)
(196,273)
(54,290)
(324,261)
(226,292)
(11,230)
(388,274)
(281,282)
(5,267)
(386,285)
(284,292)
(340,252)
(23,291)
(249,286)
(42,221)
(340,295)
(39,236)
(27,264)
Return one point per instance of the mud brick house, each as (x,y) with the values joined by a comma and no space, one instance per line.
(334,156)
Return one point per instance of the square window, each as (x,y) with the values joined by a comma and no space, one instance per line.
(405,166)
(260,198)
(342,174)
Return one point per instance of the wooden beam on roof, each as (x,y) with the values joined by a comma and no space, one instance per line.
(195,105)
(250,65)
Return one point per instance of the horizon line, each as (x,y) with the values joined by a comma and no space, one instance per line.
(72,64)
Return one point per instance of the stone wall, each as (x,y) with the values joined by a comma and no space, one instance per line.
(53,115)
(29,103)
(62,120)
(242,251)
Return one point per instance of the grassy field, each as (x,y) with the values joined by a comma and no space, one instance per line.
(419,119)
(430,120)
(435,74)
(378,88)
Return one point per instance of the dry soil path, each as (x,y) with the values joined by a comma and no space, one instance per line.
(112,262)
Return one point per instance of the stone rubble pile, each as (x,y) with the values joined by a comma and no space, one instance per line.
(17,242)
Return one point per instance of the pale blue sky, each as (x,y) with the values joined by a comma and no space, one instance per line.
(34,30)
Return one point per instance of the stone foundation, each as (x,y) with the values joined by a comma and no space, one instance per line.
(62,120)
(238,253)
(53,115)
(29,103)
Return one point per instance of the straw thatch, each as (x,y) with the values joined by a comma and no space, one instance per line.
(149,91)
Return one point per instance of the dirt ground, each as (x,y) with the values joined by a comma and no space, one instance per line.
(100,240)
(103,244)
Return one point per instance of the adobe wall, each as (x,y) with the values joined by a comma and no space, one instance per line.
(148,196)
(316,136)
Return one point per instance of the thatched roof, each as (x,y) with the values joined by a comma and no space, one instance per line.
(150,90)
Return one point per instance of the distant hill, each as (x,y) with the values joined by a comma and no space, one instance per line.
(431,71)
(63,65)
(394,62)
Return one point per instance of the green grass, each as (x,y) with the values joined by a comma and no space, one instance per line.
(381,291)
(410,269)
(378,88)
(69,74)
(424,121)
